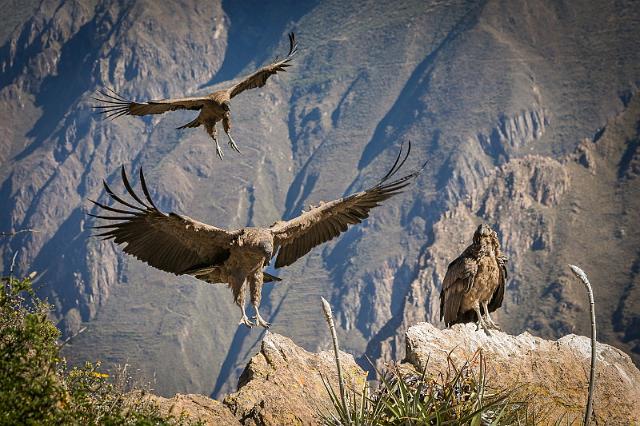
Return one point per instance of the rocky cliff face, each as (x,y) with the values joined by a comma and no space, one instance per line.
(282,385)
(528,116)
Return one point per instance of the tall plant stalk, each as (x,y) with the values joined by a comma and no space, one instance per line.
(580,274)
(332,328)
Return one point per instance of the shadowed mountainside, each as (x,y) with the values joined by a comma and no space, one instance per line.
(528,115)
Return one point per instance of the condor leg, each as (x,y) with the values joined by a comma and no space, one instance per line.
(487,318)
(255,284)
(480,322)
(238,288)
(226,123)
(211,130)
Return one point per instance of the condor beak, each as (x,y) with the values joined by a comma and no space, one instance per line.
(267,248)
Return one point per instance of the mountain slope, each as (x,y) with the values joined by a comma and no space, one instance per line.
(498,96)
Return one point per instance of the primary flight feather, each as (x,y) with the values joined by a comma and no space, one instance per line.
(213,107)
(181,245)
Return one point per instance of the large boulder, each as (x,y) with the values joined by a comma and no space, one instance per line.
(282,384)
(554,373)
(197,408)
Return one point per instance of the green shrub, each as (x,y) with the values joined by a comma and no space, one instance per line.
(32,391)
(38,389)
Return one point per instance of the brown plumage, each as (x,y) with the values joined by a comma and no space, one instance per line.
(474,284)
(181,245)
(213,107)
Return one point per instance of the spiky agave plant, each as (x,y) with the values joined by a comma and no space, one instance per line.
(458,396)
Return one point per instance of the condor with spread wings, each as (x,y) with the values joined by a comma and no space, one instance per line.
(181,245)
(213,107)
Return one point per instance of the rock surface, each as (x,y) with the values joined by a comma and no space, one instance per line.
(281,385)
(557,372)
(196,407)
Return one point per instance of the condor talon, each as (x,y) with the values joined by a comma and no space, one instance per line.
(232,144)
(260,321)
(219,151)
(245,320)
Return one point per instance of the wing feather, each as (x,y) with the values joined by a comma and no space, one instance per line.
(328,220)
(260,77)
(169,242)
(498,295)
(458,280)
(113,105)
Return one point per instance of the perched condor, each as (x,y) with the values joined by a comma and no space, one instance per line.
(475,281)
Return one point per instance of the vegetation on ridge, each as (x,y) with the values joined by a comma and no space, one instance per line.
(407,397)
(38,388)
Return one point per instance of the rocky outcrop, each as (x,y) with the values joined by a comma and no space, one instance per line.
(281,385)
(516,132)
(554,373)
(195,407)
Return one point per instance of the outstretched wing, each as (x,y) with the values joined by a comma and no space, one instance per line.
(259,78)
(113,105)
(169,242)
(459,279)
(320,224)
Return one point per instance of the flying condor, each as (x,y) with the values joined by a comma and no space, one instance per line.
(213,107)
(474,284)
(181,245)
